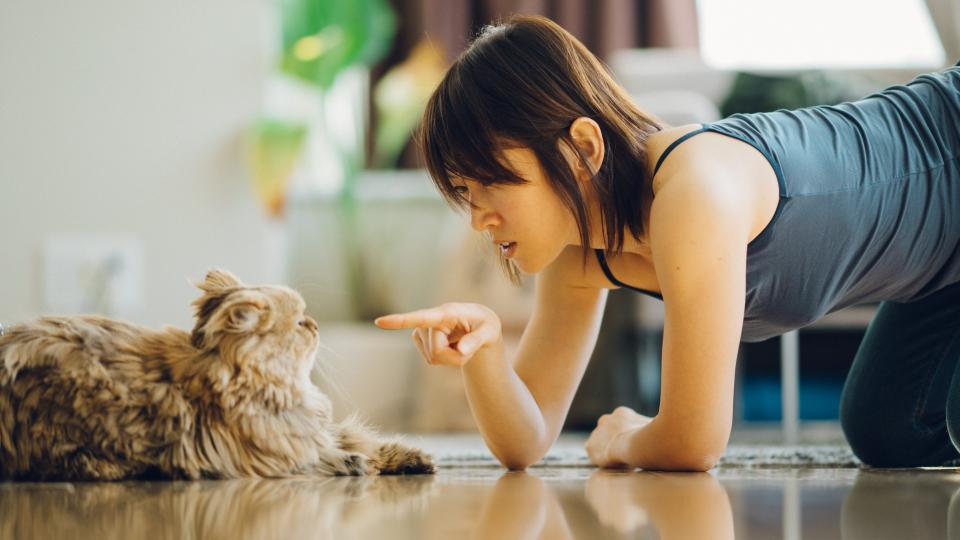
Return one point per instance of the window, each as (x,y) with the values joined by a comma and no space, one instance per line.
(818,34)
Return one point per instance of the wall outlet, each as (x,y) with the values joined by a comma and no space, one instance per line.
(94,273)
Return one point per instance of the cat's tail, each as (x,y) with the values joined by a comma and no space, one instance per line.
(8,368)
(45,342)
(7,450)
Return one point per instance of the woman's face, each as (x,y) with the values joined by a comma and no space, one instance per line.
(529,220)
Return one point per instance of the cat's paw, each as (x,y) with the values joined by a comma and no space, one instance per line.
(347,464)
(395,458)
(358,465)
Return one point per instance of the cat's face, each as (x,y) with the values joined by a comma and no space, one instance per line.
(261,330)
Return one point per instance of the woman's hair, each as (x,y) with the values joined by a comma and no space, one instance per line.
(522,83)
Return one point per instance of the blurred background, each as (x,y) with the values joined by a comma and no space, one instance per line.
(143,143)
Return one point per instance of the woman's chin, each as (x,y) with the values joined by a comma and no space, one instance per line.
(525,266)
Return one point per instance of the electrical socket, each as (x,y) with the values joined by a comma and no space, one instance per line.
(93,273)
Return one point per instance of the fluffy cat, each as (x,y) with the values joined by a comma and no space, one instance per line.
(90,398)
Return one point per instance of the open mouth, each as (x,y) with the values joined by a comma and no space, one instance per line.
(507,249)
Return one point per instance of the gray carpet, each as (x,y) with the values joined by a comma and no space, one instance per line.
(470,451)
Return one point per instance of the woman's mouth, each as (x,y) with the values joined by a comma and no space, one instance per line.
(507,249)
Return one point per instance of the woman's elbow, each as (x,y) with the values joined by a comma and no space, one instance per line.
(515,465)
(699,459)
(518,462)
(695,463)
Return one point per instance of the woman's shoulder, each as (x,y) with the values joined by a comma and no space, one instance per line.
(716,160)
(709,153)
(657,144)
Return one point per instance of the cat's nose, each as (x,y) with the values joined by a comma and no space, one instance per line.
(308,322)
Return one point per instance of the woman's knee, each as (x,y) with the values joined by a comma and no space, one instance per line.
(858,413)
(867,440)
(881,437)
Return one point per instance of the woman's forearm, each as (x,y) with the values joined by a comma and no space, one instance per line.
(505,411)
(659,446)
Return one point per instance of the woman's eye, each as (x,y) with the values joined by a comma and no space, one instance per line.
(462,190)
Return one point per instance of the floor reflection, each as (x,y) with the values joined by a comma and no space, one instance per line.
(232,509)
(884,505)
(492,503)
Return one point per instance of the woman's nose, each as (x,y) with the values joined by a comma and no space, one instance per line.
(481,219)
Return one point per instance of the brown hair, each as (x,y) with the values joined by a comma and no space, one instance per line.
(522,83)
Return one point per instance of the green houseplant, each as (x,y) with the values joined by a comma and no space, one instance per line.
(319,41)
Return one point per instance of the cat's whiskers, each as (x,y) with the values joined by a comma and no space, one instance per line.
(325,377)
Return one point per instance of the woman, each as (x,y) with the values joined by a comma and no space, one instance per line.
(746,228)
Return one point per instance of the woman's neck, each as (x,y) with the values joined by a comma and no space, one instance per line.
(638,246)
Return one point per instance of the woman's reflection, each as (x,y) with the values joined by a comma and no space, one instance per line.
(678,505)
(918,505)
(521,506)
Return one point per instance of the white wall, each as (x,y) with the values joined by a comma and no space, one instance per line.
(127,116)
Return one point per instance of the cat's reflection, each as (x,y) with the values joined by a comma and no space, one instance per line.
(230,509)
(904,504)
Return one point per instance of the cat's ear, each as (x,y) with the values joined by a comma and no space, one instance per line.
(245,314)
(237,312)
(219,280)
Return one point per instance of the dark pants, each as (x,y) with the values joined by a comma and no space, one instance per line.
(901,401)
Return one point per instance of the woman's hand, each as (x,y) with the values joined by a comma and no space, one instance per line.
(449,334)
(608,427)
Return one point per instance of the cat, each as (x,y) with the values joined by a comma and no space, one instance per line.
(85,397)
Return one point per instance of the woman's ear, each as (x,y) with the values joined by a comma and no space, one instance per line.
(588,139)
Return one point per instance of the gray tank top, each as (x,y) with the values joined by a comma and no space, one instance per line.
(869,206)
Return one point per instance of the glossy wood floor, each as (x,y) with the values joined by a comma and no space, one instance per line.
(465,503)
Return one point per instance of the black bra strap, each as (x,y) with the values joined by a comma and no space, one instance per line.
(671,146)
(602,259)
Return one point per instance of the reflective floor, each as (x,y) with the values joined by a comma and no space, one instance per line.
(464,503)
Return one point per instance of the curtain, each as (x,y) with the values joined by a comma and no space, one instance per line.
(602,25)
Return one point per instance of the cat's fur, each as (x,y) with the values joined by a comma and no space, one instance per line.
(85,397)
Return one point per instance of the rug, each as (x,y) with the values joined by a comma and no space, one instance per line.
(468,450)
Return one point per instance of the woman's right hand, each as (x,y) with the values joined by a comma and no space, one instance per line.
(450,334)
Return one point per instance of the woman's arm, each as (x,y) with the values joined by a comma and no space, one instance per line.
(699,250)
(520,408)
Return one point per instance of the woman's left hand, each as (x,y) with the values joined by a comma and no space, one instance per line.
(608,427)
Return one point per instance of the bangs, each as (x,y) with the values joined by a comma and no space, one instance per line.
(459,140)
